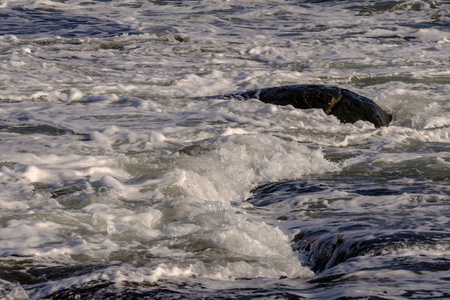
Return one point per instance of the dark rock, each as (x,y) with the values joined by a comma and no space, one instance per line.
(347,106)
(299,96)
(353,107)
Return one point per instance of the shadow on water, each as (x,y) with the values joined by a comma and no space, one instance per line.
(169,290)
(274,192)
(23,22)
(13,270)
(43,129)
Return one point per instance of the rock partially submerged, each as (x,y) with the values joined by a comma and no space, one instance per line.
(346,105)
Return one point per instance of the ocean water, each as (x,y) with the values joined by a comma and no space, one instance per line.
(118,181)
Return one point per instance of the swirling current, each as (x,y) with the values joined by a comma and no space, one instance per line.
(119,181)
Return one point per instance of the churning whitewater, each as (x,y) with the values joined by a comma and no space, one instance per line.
(123,177)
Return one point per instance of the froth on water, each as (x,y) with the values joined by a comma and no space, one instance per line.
(116,179)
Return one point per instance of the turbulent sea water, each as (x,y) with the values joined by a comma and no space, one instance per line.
(118,181)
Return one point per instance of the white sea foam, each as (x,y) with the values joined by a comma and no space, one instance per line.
(107,156)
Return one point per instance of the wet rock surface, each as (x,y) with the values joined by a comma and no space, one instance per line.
(346,105)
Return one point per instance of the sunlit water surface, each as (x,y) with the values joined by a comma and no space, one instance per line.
(119,182)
